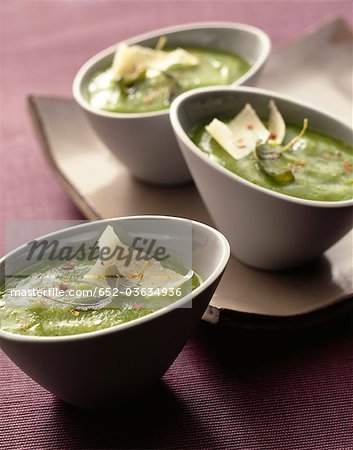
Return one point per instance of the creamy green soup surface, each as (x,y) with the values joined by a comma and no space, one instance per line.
(53,315)
(147,94)
(321,166)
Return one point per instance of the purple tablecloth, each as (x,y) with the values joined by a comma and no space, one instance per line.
(228,388)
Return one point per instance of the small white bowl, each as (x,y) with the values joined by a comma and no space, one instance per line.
(266,229)
(144,142)
(98,368)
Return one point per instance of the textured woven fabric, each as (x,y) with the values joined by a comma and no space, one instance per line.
(228,388)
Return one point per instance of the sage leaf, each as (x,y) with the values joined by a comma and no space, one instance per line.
(268,151)
(277,170)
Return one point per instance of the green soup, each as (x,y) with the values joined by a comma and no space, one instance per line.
(52,316)
(152,94)
(322,165)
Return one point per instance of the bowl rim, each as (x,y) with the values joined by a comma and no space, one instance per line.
(191,146)
(217,271)
(263,38)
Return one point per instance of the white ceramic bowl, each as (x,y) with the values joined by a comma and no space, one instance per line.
(98,368)
(144,142)
(266,230)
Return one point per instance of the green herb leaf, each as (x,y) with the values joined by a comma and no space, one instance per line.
(277,170)
(268,151)
(175,88)
(131,80)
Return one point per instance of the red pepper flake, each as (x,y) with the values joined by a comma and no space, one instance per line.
(63,286)
(138,306)
(68,266)
(250,126)
(134,275)
(132,69)
(273,136)
(75,313)
(298,164)
(102,263)
(241,146)
(347,165)
(147,100)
